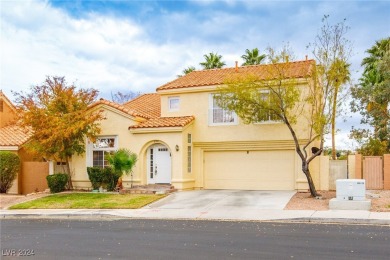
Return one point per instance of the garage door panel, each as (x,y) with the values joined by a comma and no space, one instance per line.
(253,170)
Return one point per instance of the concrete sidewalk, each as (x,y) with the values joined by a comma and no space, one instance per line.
(330,216)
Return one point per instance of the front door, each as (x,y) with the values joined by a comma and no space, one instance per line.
(159,164)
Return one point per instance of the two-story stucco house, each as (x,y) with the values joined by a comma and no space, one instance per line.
(184,138)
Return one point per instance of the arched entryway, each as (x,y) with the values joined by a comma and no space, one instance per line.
(159,168)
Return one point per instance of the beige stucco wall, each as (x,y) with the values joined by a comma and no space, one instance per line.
(117,124)
(197,103)
(256,137)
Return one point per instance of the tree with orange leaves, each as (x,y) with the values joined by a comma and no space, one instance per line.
(57,115)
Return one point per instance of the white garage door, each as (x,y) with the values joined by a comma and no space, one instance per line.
(253,170)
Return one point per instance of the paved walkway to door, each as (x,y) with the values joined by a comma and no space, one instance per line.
(225,199)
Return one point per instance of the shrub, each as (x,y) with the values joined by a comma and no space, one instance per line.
(9,168)
(111,178)
(57,182)
(96,176)
(105,177)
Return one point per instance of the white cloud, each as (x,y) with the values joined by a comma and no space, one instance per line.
(101,52)
(141,52)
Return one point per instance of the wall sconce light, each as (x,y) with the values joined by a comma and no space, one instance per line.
(177,148)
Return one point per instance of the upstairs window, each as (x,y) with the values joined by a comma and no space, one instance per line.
(266,115)
(220,116)
(174,103)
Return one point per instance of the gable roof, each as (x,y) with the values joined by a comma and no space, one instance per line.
(297,69)
(165,122)
(4,98)
(13,135)
(117,106)
(146,105)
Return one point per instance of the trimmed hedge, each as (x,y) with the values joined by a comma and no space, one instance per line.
(110,178)
(9,168)
(95,175)
(105,177)
(57,182)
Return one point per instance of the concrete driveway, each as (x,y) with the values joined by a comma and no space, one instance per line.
(225,199)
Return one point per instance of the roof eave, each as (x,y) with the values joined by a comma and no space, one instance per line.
(9,148)
(145,130)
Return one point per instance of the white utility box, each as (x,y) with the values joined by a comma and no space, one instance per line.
(350,189)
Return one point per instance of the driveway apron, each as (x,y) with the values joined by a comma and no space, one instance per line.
(225,199)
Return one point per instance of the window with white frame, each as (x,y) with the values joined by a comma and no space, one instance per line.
(220,116)
(101,148)
(266,115)
(174,103)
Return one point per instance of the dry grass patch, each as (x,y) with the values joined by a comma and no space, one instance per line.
(90,201)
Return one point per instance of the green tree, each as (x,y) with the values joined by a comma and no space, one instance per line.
(59,118)
(212,61)
(252,57)
(371,96)
(286,101)
(186,71)
(123,161)
(9,168)
(332,50)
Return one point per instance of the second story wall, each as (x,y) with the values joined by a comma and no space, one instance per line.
(225,127)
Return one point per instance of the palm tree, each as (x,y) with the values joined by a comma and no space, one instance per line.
(373,90)
(252,57)
(213,61)
(122,161)
(186,71)
(370,63)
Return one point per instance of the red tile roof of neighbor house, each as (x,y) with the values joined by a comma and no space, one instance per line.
(4,97)
(297,69)
(165,122)
(13,135)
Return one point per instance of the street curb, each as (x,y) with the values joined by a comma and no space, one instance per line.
(342,221)
(116,217)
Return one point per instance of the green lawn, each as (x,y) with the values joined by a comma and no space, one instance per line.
(90,201)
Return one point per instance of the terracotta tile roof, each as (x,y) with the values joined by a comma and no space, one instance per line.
(146,105)
(297,69)
(117,106)
(13,135)
(165,122)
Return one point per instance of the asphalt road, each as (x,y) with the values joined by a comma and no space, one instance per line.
(160,239)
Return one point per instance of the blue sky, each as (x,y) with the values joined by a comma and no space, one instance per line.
(140,45)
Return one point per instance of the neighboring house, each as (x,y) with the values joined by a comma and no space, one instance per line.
(12,138)
(184,138)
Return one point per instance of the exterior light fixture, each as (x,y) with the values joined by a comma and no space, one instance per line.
(177,148)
